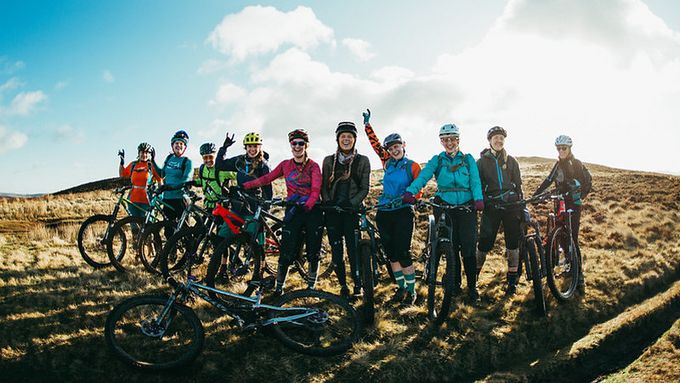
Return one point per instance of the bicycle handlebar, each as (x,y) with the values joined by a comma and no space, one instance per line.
(465,207)
(122,189)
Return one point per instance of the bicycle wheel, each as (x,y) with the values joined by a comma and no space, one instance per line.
(151,242)
(366,263)
(330,330)
(427,251)
(536,275)
(190,243)
(441,280)
(132,228)
(144,332)
(562,265)
(234,248)
(93,236)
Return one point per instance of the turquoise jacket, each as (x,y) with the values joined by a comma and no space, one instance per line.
(174,174)
(457,178)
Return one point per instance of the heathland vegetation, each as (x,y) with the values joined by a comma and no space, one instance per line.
(53,305)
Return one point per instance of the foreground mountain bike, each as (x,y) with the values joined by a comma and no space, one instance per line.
(159,332)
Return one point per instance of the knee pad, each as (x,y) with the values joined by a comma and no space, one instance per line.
(513,258)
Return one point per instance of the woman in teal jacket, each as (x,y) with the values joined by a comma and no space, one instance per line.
(458,183)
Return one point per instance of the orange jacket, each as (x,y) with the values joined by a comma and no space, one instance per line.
(139,177)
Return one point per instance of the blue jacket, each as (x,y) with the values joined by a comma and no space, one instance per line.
(174,175)
(398,176)
(457,178)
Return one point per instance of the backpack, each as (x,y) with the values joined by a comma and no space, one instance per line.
(465,163)
(149,169)
(587,185)
(184,162)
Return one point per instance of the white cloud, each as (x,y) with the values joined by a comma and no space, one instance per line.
(61,85)
(211,66)
(216,130)
(359,48)
(24,103)
(226,94)
(10,84)
(257,30)
(10,140)
(10,67)
(69,133)
(617,97)
(107,76)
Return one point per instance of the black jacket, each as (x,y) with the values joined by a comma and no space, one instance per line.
(500,175)
(563,172)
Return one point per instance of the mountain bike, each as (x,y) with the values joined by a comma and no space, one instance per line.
(137,228)
(159,332)
(531,250)
(371,254)
(563,263)
(442,263)
(96,231)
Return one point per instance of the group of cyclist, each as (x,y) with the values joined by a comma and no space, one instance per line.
(343,181)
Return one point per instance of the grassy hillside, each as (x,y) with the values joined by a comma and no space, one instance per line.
(53,305)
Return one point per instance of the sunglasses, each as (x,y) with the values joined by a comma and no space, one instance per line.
(297,143)
(562,148)
(448,139)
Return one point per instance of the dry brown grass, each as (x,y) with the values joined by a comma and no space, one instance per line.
(53,306)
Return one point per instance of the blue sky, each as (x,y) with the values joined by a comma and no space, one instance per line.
(81,79)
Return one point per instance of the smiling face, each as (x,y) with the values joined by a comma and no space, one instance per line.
(497,142)
(396,150)
(253,150)
(144,156)
(209,160)
(298,147)
(563,151)
(450,143)
(346,141)
(178,148)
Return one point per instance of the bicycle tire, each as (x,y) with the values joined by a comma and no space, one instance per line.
(131,339)
(537,281)
(562,266)
(179,248)
(92,244)
(441,281)
(366,262)
(331,332)
(240,244)
(151,243)
(132,236)
(427,251)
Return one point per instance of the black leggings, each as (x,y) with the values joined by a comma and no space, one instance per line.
(339,226)
(488,229)
(396,230)
(291,241)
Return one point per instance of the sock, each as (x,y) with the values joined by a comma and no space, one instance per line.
(399,278)
(410,283)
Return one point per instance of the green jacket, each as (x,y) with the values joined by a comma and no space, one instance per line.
(212,185)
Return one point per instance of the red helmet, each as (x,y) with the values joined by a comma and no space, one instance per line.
(298,133)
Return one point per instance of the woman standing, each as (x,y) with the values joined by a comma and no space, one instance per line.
(141,172)
(394,218)
(457,184)
(570,176)
(177,169)
(303,186)
(346,180)
(501,182)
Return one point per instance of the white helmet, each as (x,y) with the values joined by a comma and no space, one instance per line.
(449,130)
(563,140)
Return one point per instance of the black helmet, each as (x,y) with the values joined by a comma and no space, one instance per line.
(180,135)
(144,147)
(346,127)
(208,148)
(392,139)
(496,130)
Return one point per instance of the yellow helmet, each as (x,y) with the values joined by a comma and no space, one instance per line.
(252,139)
